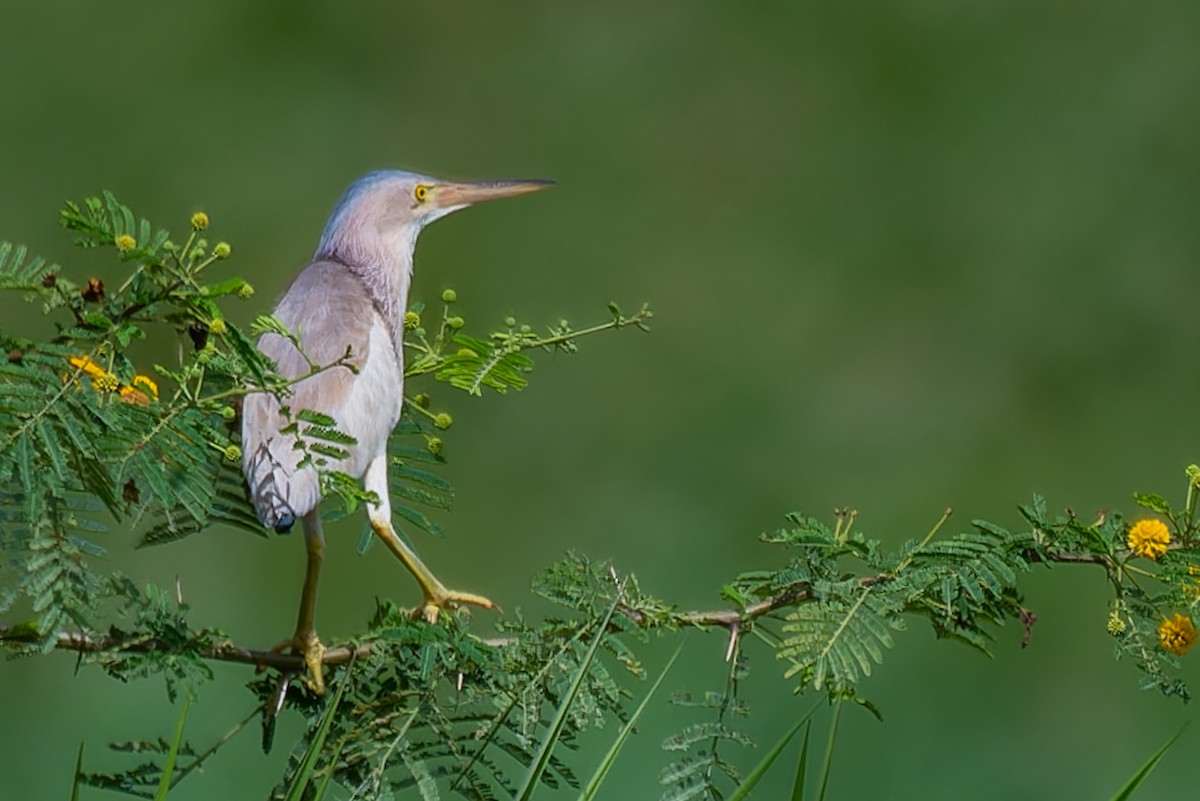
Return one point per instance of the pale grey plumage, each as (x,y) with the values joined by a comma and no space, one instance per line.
(325,304)
(352,297)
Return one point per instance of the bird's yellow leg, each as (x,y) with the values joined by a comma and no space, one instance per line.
(437,597)
(304,642)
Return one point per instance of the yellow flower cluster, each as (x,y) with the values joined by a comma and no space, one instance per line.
(1149,538)
(1177,635)
(141,391)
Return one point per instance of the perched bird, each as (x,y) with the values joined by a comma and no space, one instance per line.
(351,298)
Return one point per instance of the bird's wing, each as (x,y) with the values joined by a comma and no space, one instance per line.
(331,312)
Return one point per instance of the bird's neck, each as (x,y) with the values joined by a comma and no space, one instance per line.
(383,262)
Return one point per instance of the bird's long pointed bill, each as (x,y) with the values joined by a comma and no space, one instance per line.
(464,194)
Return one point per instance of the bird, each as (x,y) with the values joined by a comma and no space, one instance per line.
(349,304)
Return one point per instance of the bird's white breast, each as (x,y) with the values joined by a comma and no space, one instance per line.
(372,408)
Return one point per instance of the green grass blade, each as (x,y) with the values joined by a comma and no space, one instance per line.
(769,758)
(825,768)
(1136,779)
(802,768)
(593,785)
(304,772)
(78,773)
(323,787)
(164,782)
(538,766)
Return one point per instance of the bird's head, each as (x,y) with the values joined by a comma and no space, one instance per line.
(386,210)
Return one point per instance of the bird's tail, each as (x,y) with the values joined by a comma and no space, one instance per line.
(280,490)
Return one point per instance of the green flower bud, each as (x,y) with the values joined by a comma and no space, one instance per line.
(199,221)
(228,412)
(125,242)
(449,296)
(455,323)
(422,400)
(245,291)
(434,445)
(217,327)
(412,321)
(232,452)
(442,420)
(510,322)
(222,250)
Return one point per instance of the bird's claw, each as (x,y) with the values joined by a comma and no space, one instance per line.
(441,599)
(305,644)
(314,655)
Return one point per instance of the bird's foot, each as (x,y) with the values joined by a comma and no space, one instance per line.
(305,644)
(441,598)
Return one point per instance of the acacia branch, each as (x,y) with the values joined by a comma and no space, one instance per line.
(224,652)
(229,651)
(283,661)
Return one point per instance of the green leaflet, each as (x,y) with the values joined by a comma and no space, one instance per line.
(478,364)
(837,641)
(18,273)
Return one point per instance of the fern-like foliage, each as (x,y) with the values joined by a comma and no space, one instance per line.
(836,640)
(969,580)
(78,419)
(435,710)
(472,363)
(701,766)
(17,272)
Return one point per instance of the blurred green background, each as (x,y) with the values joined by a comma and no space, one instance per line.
(902,256)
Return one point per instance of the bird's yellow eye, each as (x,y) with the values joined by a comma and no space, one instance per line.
(421,192)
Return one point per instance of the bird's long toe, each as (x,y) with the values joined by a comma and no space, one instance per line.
(442,598)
